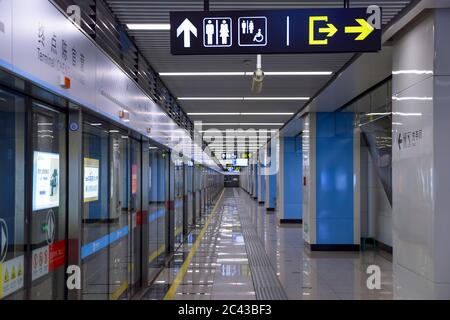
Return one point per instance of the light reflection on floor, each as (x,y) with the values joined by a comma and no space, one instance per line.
(220,270)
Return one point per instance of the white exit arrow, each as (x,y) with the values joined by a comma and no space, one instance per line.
(187,28)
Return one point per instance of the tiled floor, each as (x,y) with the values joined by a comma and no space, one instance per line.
(220,268)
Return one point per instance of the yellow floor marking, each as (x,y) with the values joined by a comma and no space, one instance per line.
(156,253)
(116,294)
(173,288)
(178,231)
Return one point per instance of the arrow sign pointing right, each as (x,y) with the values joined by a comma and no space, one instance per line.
(187,28)
(364,29)
(331,30)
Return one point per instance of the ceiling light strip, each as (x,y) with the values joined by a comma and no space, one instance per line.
(242,73)
(243,98)
(149,26)
(240,113)
(241,124)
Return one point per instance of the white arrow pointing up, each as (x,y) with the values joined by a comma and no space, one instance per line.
(187,27)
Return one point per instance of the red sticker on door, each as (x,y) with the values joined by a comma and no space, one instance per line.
(134,179)
(57,255)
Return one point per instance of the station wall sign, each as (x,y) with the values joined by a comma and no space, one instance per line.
(276,31)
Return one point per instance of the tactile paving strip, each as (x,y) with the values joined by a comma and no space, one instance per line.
(265,281)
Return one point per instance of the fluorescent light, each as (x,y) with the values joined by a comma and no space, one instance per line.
(240,113)
(242,124)
(295,73)
(183,74)
(412,98)
(407,114)
(267,113)
(241,73)
(378,114)
(243,98)
(210,98)
(275,98)
(149,26)
(413,71)
(213,114)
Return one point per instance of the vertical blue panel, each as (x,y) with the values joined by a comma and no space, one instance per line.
(256,179)
(293,176)
(263,186)
(272,190)
(334,178)
(272,183)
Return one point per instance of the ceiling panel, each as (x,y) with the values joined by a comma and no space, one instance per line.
(240,86)
(155,45)
(239,106)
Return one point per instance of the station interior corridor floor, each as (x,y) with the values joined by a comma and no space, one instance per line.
(243,253)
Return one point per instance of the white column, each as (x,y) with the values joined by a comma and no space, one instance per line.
(421,158)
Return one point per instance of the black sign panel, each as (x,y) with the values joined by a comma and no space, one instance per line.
(276,31)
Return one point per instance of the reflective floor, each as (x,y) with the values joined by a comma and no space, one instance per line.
(221,268)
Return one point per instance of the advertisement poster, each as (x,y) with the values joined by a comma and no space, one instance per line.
(45,180)
(91,179)
(40,259)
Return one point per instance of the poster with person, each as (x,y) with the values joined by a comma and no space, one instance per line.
(45,180)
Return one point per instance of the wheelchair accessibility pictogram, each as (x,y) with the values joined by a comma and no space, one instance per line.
(252,31)
(259,37)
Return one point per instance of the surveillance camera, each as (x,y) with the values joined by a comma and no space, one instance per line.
(257,83)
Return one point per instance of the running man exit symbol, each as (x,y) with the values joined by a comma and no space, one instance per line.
(252,31)
(217,32)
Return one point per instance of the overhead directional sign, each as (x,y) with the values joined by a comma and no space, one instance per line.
(276,31)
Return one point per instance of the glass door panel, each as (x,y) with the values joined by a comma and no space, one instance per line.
(12,196)
(179,203)
(154,213)
(163,205)
(135,214)
(48,216)
(95,221)
(119,253)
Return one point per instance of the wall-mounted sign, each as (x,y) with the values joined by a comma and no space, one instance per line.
(11,276)
(91,179)
(49,49)
(276,31)
(45,180)
(5,30)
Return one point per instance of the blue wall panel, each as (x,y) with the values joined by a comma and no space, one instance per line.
(272,190)
(256,180)
(334,178)
(293,173)
(263,186)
